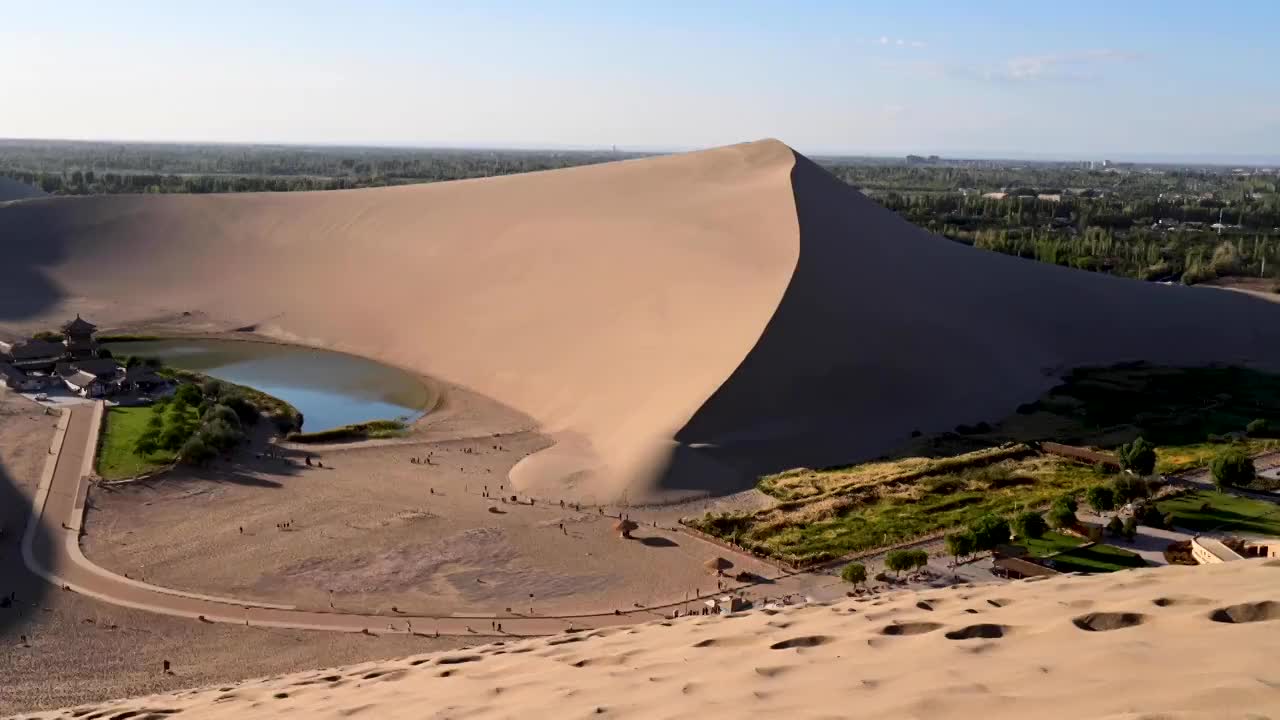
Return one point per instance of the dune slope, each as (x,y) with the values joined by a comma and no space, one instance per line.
(679,324)
(1173,642)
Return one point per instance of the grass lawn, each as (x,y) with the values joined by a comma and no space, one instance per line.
(1186,457)
(1224,512)
(1049,543)
(1097,558)
(121,428)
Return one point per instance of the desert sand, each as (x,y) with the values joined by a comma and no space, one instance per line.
(1174,642)
(678,325)
(79,649)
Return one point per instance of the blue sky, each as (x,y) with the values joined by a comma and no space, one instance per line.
(1119,79)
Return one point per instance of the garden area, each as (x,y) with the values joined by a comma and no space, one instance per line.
(200,420)
(1204,511)
(952,480)
(1097,558)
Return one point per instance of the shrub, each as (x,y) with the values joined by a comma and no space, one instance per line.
(1138,457)
(1061,517)
(989,531)
(240,405)
(1148,514)
(854,573)
(187,394)
(1130,527)
(286,423)
(220,435)
(1067,501)
(1101,498)
(1128,489)
(212,388)
(194,451)
(1029,525)
(223,413)
(1103,468)
(1231,468)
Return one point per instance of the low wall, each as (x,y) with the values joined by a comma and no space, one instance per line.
(1078,453)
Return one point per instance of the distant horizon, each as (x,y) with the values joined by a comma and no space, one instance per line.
(1154,158)
(1132,82)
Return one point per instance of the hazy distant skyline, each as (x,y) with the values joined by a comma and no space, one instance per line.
(1120,80)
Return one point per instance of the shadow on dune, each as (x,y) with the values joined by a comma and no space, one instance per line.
(15,581)
(33,236)
(885,329)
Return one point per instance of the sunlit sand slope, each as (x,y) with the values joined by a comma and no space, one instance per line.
(1174,642)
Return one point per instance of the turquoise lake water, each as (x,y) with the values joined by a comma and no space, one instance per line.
(331,389)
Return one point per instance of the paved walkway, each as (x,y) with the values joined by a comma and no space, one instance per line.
(54,554)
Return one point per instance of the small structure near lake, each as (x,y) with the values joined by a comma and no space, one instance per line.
(76,362)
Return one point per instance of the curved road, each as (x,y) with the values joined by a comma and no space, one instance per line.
(55,555)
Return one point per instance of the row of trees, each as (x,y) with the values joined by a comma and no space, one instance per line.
(86,168)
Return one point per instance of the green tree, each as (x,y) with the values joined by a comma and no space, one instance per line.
(854,573)
(960,543)
(1138,457)
(989,531)
(1029,525)
(1101,498)
(1231,468)
(898,561)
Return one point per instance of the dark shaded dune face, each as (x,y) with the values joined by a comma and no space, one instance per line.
(1107,621)
(881,318)
(1247,612)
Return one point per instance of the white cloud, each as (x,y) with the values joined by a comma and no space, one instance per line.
(1084,65)
(899,42)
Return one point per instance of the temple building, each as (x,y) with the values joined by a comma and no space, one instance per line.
(76,362)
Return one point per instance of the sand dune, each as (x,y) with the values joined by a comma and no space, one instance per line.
(678,324)
(1127,645)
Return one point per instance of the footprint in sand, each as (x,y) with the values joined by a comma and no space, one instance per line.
(1247,612)
(804,641)
(1106,621)
(984,631)
(909,628)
